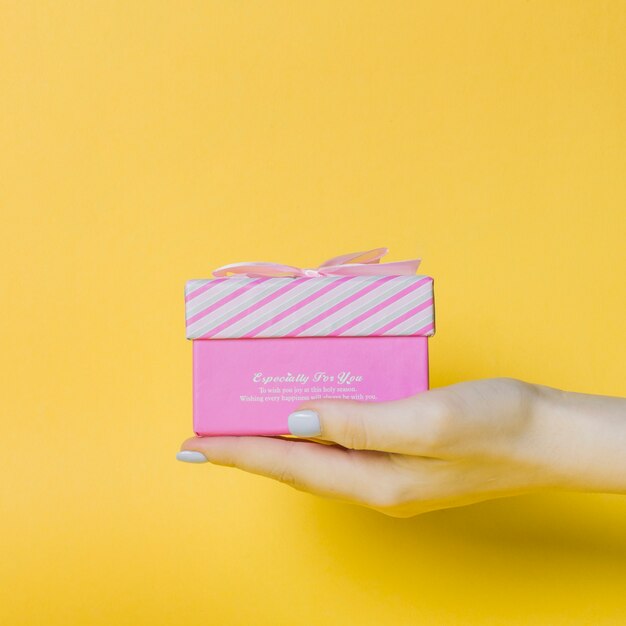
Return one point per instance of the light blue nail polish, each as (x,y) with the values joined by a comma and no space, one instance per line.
(304,423)
(189,456)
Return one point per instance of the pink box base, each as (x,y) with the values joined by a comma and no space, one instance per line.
(250,386)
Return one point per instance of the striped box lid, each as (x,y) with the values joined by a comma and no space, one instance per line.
(337,306)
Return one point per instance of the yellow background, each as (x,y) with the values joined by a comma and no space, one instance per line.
(145,143)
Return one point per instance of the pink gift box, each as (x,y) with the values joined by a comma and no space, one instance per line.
(266,340)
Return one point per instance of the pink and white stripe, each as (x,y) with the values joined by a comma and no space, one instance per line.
(347,306)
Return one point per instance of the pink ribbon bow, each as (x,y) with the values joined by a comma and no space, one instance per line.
(357,264)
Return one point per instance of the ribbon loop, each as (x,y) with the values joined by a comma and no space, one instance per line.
(355,264)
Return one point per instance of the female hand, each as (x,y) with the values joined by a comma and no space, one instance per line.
(445,447)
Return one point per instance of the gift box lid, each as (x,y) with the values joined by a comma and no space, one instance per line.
(337,299)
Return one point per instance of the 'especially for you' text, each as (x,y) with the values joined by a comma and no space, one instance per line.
(343,378)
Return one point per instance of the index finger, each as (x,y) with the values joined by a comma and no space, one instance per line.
(324,470)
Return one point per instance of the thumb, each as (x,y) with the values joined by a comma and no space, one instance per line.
(407,426)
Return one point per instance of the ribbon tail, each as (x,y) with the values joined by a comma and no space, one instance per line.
(258,269)
(369,256)
(398,268)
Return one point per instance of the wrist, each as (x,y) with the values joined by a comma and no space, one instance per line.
(581,439)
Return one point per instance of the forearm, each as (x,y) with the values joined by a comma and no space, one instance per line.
(584,439)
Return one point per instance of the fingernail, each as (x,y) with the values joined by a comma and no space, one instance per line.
(189,456)
(304,423)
